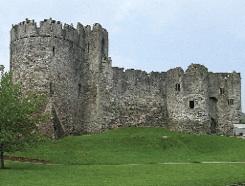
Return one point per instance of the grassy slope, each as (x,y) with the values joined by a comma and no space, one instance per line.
(88,160)
(139,145)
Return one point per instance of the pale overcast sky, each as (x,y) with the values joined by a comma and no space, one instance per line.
(148,34)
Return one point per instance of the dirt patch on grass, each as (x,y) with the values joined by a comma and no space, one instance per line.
(24,159)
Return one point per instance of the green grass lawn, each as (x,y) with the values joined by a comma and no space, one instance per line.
(149,175)
(103,159)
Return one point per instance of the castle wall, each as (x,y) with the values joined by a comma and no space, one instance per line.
(138,98)
(85,94)
(188,105)
(225,88)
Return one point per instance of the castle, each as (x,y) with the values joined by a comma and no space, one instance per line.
(86,94)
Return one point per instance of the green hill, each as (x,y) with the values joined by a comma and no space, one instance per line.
(139,145)
(132,156)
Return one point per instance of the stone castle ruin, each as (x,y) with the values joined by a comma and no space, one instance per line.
(86,94)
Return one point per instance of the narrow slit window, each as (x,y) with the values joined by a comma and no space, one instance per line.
(230,101)
(79,89)
(177,87)
(88,47)
(51,90)
(191,104)
(222,91)
(53,50)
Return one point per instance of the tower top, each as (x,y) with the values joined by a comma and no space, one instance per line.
(52,28)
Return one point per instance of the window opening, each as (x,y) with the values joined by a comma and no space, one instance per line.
(79,89)
(53,51)
(222,91)
(191,104)
(51,91)
(177,87)
(230,101)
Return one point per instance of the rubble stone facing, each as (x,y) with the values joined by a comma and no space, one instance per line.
(86,94)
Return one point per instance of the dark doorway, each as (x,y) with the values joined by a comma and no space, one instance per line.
(58,130)
(213,114)
(213,127)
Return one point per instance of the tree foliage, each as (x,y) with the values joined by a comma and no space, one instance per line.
(19,116)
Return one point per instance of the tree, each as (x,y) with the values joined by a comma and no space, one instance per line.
(19,115)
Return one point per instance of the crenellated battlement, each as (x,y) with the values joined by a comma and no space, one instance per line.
(53,28)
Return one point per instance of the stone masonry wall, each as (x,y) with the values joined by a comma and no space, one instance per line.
(86,94)
(97,75)
(225,88)
(138,98)
(193,90)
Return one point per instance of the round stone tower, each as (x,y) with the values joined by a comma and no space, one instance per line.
(47,59)
(63,63)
